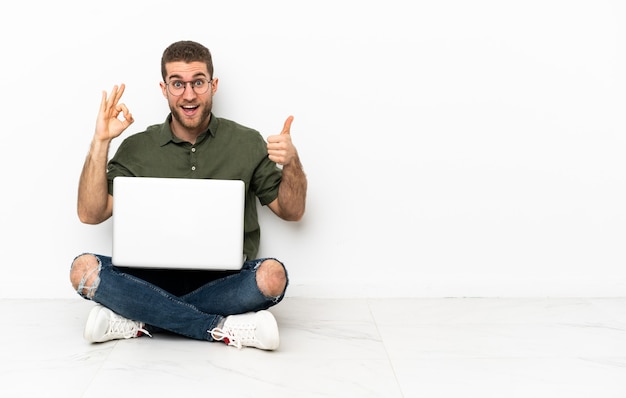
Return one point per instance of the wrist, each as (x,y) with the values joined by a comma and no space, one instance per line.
(99,147)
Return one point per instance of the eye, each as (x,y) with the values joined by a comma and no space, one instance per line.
(198,83)
(177,84)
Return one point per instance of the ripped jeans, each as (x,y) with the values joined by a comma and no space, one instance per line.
(193,314)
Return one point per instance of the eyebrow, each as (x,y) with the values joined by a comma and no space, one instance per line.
(197,75)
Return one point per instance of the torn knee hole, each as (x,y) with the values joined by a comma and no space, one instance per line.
(271,278)
(85,275)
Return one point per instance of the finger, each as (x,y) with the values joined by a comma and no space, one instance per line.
(114,97)
(128,117)
(103,101)
(276,158)
(110,99)
(279,139)
(287,126)
(119,93)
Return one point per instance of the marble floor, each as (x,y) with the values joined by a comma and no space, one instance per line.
(414,347)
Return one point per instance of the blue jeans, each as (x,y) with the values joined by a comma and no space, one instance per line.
(193,314)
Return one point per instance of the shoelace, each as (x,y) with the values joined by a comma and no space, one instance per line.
(120,326)
(237,336)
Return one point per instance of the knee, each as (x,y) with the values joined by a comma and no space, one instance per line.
(271,278)
(84,274)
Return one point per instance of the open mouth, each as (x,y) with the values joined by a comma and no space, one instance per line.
(189,110)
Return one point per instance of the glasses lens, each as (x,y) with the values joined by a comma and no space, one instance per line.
(200,86)
(176,87)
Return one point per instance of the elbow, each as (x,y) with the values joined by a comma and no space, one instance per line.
(87,218)
(295,216)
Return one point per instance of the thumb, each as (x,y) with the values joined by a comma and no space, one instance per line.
(287,126)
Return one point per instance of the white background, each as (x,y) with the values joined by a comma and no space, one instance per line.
(453,148)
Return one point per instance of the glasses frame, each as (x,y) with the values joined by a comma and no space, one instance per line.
(190,83)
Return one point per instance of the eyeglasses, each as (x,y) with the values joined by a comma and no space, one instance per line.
(199,86)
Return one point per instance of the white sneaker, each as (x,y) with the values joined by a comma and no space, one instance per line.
(104,325)
(253,329)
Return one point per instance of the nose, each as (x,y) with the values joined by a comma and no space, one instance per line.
(189,91)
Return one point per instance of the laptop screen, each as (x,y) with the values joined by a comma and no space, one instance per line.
(178,223)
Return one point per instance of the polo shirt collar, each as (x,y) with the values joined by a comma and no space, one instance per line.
(166,135)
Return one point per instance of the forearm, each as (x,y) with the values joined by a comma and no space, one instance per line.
(93,195)
(292,191)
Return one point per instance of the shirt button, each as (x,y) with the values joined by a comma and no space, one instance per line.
(193,168)
(193,149)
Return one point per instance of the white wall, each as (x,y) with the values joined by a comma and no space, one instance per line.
(453,148)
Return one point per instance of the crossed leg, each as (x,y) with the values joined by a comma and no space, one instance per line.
(271,277)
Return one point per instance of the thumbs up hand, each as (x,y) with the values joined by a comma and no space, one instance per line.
(280,149)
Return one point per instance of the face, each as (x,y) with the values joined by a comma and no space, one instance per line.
(190,111)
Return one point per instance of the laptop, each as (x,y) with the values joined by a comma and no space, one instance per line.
(178,223)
